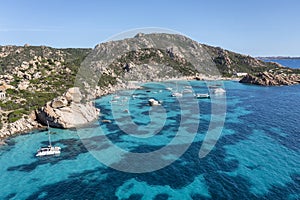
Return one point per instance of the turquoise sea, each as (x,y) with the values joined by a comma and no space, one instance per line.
(256,157)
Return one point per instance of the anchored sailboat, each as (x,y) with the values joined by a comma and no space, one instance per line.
(49,150)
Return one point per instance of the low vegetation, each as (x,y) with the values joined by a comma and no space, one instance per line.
(37,75)
(230,63)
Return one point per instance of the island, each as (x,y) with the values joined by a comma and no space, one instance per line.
(37,83)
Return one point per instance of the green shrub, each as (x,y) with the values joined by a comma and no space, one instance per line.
(16,115)
(10,105)
(11,92)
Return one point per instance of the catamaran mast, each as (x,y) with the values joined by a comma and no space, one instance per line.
(49,134)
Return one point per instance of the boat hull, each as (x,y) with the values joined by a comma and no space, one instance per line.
(48,151)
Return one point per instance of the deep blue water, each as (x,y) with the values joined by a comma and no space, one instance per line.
(292,63)
(256,157)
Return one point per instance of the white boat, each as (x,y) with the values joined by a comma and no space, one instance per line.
(153,102)
(49,150)
(176,94)
(187,91)
(116,97)
(218,91)
(188,86)
(202,96)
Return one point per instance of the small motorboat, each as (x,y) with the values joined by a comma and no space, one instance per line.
(218,91)
(187,91)
(153,102)
(115,97)
(202,96)
(176,94)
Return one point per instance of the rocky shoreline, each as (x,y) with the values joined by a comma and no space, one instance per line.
(19,127)
(60,111)
(66,111)
(271,79)
(40,80)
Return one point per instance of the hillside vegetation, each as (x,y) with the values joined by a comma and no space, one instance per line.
(34,75)
(230,63)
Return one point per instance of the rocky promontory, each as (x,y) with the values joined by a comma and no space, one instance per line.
(20,126)
(67,111)
(271,79)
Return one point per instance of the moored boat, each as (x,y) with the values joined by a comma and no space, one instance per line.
(176,94)
(202,96)
(218,91)
(49,150)
(153,102)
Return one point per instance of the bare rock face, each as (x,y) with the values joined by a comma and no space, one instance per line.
(23,85)
(67,111)
(148,57)
(19,126)
(59,102)
(73,94)
(270,79)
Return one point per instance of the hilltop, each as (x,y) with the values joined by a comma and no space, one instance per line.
(35,79)
(149,57)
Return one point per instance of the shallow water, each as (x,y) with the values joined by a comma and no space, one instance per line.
(256,157)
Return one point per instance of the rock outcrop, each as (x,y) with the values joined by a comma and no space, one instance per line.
(59,102)
(271,79)
(20,126)
(73,94)
(68,111)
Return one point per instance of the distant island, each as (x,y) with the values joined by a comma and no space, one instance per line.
(276,57)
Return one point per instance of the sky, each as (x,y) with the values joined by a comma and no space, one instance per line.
(255,27)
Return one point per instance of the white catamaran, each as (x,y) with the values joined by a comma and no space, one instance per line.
(49,150)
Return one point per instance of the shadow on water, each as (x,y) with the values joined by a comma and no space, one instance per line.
(103,183)
(73,148)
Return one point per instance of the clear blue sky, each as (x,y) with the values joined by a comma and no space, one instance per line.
(255,27)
